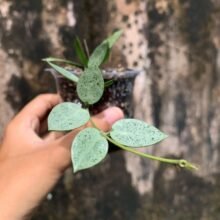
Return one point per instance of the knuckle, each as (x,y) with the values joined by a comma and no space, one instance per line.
(41,97)
(46,99)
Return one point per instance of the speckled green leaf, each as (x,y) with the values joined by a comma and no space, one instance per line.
(88,149)
(64,72)
(67,116)
(136,133)
(98,55)
(90,86)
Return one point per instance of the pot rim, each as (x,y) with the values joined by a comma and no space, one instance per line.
(109,73)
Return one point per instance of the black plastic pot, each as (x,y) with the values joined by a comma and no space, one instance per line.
(119,93)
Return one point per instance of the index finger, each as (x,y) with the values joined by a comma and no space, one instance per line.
(37,109)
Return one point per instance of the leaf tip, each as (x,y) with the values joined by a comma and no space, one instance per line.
(75,170)
(77,167)
(44,59)
(165,135)
(120,31)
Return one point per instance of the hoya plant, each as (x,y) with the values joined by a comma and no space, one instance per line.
(90,146)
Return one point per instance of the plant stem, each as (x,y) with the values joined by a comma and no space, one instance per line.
(94,125)
(180,162)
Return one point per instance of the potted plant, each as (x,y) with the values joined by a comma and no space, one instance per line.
(91,93)
(118,82)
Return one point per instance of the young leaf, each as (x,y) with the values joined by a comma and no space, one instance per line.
(67,116)
(80,52)
(98,55)
(101,52)
(90,86)
(64,72)
(136,133)
(53,59)
(107,55)
(88,149)
(113,38)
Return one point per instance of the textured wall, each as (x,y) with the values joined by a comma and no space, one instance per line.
(177,44)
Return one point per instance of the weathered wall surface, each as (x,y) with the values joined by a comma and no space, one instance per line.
(177,44)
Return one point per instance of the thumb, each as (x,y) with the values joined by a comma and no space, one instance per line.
(103,121)
(107,118)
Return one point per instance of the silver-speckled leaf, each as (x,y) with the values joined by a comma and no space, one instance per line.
(136,133)
(88,149)
(98,55)
(90,86)
(67,116)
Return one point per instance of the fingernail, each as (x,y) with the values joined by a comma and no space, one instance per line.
(113,114)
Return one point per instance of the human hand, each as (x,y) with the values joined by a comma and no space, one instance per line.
(32,161)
